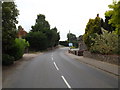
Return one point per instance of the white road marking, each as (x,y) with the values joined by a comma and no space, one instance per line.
(52,58)
(56,66)
(66,82)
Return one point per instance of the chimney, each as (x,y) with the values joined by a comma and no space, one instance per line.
(97,15)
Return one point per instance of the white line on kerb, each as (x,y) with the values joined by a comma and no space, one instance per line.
(56,66)
(66,82)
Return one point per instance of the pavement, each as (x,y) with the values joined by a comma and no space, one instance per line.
(110,68)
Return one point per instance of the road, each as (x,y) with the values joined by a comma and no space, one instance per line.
(55,69)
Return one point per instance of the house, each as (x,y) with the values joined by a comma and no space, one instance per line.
(21,32)
(81,44)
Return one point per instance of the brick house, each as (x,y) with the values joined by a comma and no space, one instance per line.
(21,33)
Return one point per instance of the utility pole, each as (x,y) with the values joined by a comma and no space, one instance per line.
(69,36)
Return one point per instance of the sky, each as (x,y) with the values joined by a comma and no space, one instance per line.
(66,15)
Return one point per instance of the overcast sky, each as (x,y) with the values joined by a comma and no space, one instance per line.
(66,15)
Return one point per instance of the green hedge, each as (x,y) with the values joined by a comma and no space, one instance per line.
(7,59)
(19,48)
(106,43)
(38,41)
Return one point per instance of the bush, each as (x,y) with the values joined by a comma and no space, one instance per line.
(38,40)
(18,50)
(106,43)
(7,59)
(64,43)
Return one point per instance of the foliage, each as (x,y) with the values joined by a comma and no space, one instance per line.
(93,26)
(115,15)
(7,59)
(19,47)
(106,24)
(106,43)
(72,47)
(9,16)
(41,24)
(72,39)
(56,36)
(64,43)
(37,40)
(41,36)
(9,19)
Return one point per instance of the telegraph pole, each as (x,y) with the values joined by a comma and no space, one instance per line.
(69,36)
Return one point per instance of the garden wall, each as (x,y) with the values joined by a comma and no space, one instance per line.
(113,59)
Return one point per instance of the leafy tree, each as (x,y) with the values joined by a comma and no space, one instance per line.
(93,26)
(106,43)
(56,36)
(115,15)
(9,21)
(64,43)
(72,39)
(49,37)
(41,24)
(37,40)
(19,47)
(106,24)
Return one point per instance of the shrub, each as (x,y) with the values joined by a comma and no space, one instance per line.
(7,59)
(18,50)
(93,26)
(64,43)
(106,43)
(38,40)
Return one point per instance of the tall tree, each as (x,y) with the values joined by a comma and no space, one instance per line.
(93,26)
(72,39)
(106,24)
(49,37)
(41,24)
(56,36)
(9,21)
(115,15)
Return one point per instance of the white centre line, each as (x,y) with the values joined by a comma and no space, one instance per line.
(52,58)
(56,66)
(66,82)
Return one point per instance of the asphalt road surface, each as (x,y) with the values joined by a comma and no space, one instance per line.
(55,69)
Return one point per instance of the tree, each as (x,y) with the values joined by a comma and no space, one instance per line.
(37,40)
(64,43)
(56,36)
(106,24)
(49,37)
(106,43)
(93,26)
(115,15)
(9,21)
(72,39)
(41,24)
